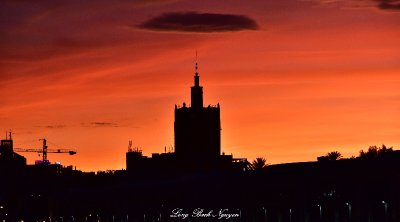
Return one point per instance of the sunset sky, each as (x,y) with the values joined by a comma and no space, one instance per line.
(295,79)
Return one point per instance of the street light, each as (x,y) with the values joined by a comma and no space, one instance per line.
(162,206)
(86,217)
(386,208)
(290,215)
(320,212)
(265,213)
(349,208)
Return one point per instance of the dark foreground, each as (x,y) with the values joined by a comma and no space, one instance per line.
(343,190)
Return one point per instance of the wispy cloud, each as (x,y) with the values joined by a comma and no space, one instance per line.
(199,22)
(53,126)
(100,124)
(392,5)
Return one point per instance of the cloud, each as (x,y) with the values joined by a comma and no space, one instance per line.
(199,22)
(389,4)
(100,124)
(381,4)
(55,126)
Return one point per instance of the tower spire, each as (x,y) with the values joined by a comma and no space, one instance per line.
(196,74)
(197,67)
(197,90)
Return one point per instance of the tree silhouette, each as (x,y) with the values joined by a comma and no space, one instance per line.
(375,152)
(331,156)
(258,164)
(334,155)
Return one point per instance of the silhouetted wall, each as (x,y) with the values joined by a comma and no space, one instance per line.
(197,132)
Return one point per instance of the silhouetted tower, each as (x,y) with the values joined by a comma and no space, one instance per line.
(197,128)
(9,160)
(197,92)
(7,144)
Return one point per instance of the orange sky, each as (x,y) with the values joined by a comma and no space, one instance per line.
(316,76)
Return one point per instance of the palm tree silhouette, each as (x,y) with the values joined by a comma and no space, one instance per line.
(258,164)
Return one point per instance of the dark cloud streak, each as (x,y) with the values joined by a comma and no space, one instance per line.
(199,22)
(101,124)
(386,5)
(389,4)
(55,126)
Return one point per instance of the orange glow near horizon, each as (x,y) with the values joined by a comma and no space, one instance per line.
(293,90)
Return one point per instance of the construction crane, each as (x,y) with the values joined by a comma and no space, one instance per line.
(44,150)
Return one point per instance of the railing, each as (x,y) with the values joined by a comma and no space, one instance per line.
(188,106)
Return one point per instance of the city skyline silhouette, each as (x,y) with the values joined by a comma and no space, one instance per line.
(196,182)
(296,79)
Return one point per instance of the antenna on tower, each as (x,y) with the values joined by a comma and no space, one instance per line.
(196,64)
(130,146)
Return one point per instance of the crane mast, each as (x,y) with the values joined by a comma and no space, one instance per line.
(44,150)
(44,154)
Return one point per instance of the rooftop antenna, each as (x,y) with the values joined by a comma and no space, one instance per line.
(130,146)
(196,64)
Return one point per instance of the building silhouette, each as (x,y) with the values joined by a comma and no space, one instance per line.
(197,141)
(197,128)
(10,160)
